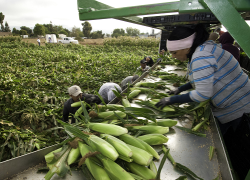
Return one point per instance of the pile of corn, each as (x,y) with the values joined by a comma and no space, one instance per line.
(114,147)
(114,154)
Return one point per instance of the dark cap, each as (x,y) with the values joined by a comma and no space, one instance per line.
(143,61)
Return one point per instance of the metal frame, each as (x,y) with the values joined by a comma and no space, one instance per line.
(226,11)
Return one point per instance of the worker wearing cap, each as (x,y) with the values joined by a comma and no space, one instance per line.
(106,91)
(143,68)
(76,93)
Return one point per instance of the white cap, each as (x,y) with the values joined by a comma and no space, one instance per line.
(74,90)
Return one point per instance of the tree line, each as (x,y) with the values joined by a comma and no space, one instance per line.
(78,33)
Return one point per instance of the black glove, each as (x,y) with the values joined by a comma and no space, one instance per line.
(175,92)
(163,102)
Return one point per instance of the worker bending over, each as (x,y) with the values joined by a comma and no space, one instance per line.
(128,80)
(106,91)
(76,93)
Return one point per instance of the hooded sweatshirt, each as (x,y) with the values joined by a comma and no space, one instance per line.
(227,41)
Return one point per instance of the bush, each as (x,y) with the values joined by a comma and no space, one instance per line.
(130,41)
(10,39)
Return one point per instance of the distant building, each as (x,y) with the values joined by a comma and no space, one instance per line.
(5,33)
(24,36)
(143,35)
(157,35)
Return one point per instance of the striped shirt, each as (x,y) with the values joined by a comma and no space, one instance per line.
(215,74)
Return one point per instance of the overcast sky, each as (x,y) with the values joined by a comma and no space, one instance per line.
(64,12)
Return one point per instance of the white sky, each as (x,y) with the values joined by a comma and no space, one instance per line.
(64,12)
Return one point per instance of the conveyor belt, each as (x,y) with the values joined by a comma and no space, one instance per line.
(187,149)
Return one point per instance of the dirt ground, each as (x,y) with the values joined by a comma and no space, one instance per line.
(85,42)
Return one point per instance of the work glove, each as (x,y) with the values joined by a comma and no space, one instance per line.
(175,92)
(163,102)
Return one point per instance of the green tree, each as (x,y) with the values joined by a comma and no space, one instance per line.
(118,32)
(96,35)
(7,28)
(29,31)
(57,29)
(86,29)
(68,31)
(2,28)
(15,32)
(108,35)
(23,32)
(1,21)
(132,31)
(63,32)
(76,32)
(39,29)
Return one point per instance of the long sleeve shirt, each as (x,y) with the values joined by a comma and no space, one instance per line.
(215,74)
(67,109)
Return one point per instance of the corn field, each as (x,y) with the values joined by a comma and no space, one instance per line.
(34,82)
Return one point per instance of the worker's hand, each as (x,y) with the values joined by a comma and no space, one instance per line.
(162,52)
(175,92)
(163,102)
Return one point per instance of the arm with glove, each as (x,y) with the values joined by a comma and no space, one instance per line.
(184,98)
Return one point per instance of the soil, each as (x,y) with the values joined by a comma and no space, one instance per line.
(84,42)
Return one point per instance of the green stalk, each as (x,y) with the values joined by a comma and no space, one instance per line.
(161,165)
(211,152)
(198,126)
(169,155)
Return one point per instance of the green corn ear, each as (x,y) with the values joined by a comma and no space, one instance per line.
(126,103)
(103,147)
(121,147)
(139,144)
(163,122)
(165,109)
(108,129)
(79,111)
(110,106)
(149,149)
(74,154)
(142,89)
(114,170)
(77,104)
(128,139)
(50,156)
(140,156)
(154,139)
(141,170)
(97,172)
(152,129)
(133,94)
(111,114)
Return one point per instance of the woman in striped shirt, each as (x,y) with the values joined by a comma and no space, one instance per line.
(213,73)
